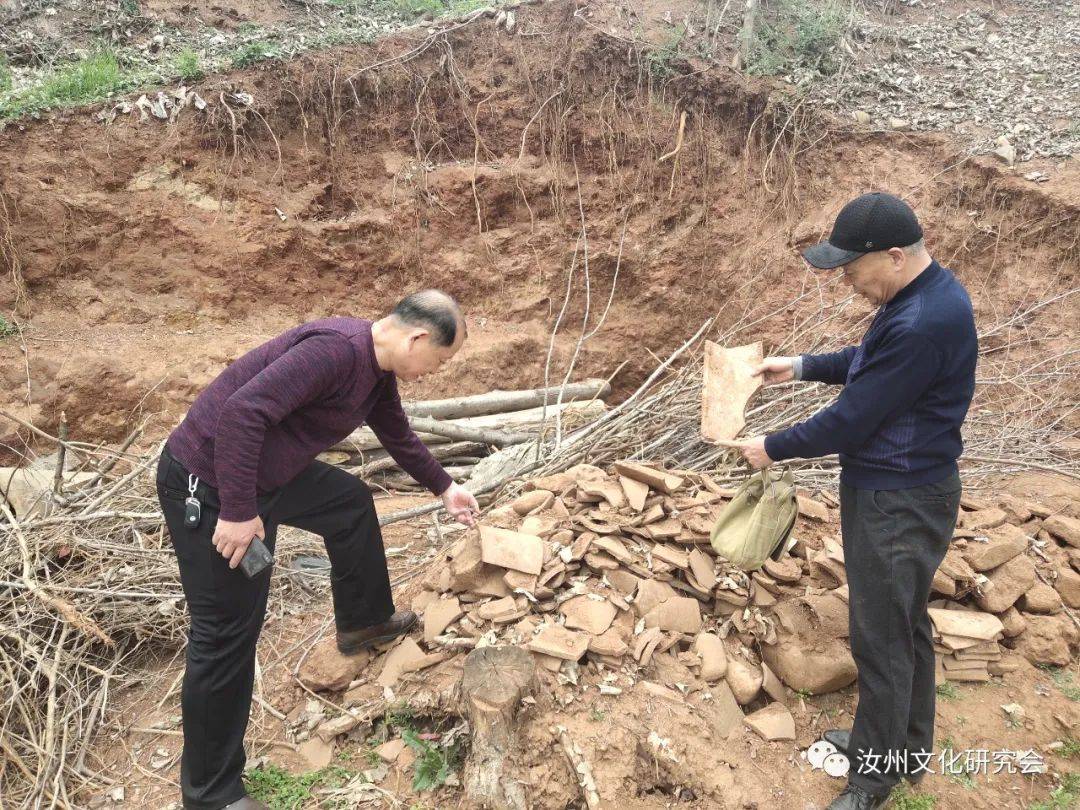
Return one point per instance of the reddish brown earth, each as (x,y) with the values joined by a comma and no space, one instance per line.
(152,254)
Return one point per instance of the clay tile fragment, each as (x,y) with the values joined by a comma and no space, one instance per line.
(440,615)
(591,615)
(656,479)
(516,550)
(728,384)
(636,492)
(773,723)
(558,642)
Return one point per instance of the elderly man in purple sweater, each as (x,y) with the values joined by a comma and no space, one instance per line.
(246,454)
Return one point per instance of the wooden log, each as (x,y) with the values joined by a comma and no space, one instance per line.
(506,401)
(493,682)
(383,461)
(405,481)
(459,432)
(365,438)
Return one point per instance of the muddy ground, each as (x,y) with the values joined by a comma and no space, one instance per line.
(143,255)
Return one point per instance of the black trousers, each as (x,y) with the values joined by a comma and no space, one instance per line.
(227,608)
(894,541)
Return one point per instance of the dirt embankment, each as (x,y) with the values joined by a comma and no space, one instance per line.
(152,254)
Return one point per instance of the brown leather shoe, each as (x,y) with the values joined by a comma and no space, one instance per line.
(247,803)
(350,642)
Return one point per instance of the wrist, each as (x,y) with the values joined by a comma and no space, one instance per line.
(797,367)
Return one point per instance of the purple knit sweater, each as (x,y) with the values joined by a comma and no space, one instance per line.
(266,416)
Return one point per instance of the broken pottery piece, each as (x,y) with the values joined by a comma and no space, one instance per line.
(609,644)
(671,555)
(815,510)
(536,500)
(558,642)
(729,383)
(606,490)
(405,657)
(1064,528)
(507,549)
(713,655)
(773,723)
(440,615)
(966,623)
(744,679)
(664,482)
(636,492)
(679,614)
(590,615)
(651,593)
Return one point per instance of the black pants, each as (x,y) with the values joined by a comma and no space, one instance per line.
(894,541)
(227,608)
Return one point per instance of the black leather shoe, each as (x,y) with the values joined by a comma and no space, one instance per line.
(350,642)
(841,738)
(855,798)
(247,803)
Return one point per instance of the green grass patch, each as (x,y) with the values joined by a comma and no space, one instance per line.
(1063,679)
(661,59)
(89,79)
(5,76)
(1070,749)
(964,779)
(434,763)
(400,716)
(948,691)
(1064,797)
(280,790)
(800,34)
(188,65)
(7,328)
(253,52)
(415,8)
(903,798)
(418,7)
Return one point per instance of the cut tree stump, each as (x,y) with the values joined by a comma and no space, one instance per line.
(494,681)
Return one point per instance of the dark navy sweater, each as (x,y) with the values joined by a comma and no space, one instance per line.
(907,389)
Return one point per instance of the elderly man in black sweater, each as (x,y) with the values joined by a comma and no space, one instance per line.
(896,426)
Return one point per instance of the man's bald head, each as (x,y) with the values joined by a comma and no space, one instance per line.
(433,310)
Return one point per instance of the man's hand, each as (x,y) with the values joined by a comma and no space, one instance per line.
(461,504)
(776,370)
(752,449)
(232,539)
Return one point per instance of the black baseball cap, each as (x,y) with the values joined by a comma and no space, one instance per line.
(875,221)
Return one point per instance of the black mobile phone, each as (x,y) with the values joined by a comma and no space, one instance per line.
(256,558)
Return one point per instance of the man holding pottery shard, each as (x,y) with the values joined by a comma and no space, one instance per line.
(243,462)
(896,425)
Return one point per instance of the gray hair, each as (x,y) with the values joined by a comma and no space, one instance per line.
(916,248)
(434,310)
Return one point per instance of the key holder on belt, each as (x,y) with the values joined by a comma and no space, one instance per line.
(257,557)
(192,507)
